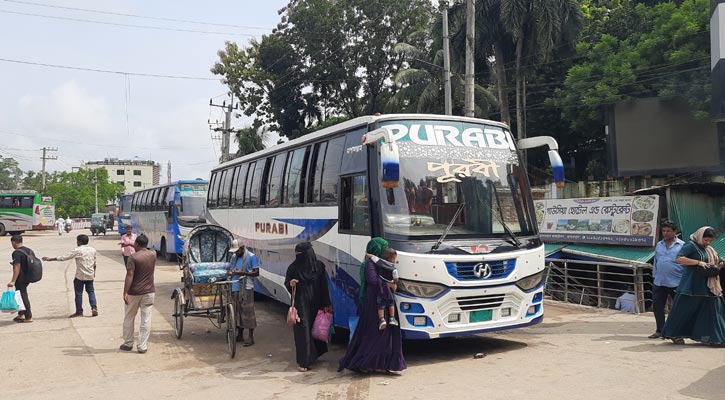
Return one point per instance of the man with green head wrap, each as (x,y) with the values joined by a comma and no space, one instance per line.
(376,246)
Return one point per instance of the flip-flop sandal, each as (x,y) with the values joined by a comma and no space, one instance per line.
(24,321)
(302,369)
(247,344)
(16,319)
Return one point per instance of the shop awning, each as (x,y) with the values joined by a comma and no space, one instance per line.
(551,248)
(625,255)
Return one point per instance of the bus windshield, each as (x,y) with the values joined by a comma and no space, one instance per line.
(192,208)
(465,175)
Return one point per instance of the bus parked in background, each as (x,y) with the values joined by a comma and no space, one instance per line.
(166,214)
(26,210)
(123,212)
(450,194)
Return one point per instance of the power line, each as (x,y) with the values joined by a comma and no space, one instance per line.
(138,16)
(106,71)
(126,25)
(125,146)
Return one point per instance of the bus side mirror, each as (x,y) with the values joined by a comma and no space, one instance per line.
(557,168)
(170,211)
(389,156)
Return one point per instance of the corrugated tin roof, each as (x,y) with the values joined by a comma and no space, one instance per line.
(719,245)
(551,248)
(628,255)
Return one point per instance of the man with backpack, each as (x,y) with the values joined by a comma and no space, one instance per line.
(85,257)
(24,274)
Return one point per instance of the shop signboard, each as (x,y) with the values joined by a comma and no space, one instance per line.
(629,221)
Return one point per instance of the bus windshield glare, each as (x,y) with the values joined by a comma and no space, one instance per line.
(469,184)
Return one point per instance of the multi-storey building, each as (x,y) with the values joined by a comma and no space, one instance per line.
(134,174)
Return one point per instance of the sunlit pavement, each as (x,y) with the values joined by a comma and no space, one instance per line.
(577,353)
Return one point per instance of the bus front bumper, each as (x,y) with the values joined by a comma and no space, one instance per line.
(463,312)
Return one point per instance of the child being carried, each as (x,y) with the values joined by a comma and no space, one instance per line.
(388,274)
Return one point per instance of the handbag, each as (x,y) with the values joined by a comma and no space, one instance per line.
(321,326)
(19,300)
(292,316)
(7,302)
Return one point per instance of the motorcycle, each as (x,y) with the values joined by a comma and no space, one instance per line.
(68,226)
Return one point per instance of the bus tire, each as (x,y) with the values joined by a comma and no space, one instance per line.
(164,252)
(3,232)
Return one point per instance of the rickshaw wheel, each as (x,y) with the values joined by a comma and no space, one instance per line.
(231,331)
(178,316)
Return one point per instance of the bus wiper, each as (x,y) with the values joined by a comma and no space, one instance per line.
(500,217)
(448,228)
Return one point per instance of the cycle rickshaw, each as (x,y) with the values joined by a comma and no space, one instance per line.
(206,290)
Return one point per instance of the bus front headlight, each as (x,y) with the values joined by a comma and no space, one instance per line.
(420,289)
(530,281)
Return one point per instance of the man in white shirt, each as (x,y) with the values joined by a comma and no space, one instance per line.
(85,257)
(60,225)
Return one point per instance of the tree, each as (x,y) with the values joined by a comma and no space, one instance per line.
(10,174)
(328,58)
(249,140)
(74,192)
(634,51)
(420,86)
(517,35)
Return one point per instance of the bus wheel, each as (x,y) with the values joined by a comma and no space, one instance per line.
(3,232)
(164,252)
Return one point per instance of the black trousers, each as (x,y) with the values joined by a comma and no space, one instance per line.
(659,301)
(23,288)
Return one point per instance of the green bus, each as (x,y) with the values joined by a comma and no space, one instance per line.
(25,210)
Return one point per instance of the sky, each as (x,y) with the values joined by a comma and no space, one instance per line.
(90,116)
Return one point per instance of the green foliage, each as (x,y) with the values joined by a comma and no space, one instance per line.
(10,174)
(250,140)
(74,192)
(328,58)
(639,51)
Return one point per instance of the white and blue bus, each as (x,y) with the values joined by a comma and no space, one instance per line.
(450,194)
(123,212)
(167,213)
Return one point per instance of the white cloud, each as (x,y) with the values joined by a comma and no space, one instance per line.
(68,108)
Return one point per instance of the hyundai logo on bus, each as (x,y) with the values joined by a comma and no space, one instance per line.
(279,228)
(482,271)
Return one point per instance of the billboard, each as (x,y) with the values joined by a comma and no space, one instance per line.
(628,221)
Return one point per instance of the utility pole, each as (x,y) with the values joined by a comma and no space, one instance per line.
(46,157)
(95,181)
(168,172)
(470,40)
(226,128)
(446,59)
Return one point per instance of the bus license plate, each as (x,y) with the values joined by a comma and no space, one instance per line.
(480,316)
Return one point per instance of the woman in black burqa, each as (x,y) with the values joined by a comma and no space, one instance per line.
(307,274)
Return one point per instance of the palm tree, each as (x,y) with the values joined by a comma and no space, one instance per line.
(520,33)
(420,86)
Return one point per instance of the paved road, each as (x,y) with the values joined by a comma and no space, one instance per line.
(576,353)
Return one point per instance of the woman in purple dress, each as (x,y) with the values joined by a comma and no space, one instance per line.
(372,349)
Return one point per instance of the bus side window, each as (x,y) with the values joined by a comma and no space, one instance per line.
(213,188)
(225,188)
(354,207)
(273,179)
(6,202)
(295,176)
(317,158)
(240,180)
(330,171)
(250,182)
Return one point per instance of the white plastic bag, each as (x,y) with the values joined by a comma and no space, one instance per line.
(19,300)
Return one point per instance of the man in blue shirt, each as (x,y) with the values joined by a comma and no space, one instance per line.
(667,273)
(244,264)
